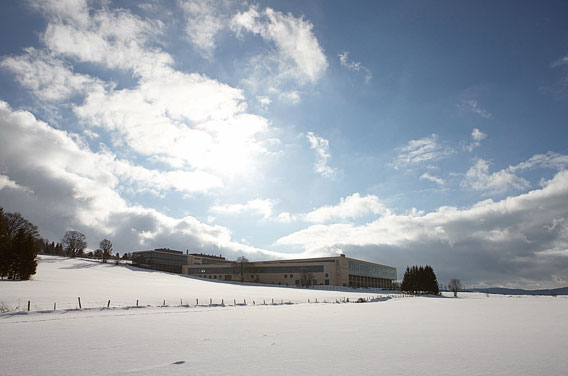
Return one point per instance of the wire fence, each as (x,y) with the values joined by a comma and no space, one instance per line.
(43,305)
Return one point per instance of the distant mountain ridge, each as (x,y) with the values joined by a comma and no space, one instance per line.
(505,291)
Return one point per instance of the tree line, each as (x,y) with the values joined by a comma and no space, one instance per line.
(20,243)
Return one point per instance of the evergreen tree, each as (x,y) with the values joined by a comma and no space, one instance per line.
(19,244)
(420,280)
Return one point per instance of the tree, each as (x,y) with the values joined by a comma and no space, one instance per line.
(74,243)
(19,244)
(454,286)
(106,246)
(420,280)
(306,278)
(241,267)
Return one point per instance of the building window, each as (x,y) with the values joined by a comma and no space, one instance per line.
(327,281)
(326,275)
(285,275)
(252,276)
(291,275)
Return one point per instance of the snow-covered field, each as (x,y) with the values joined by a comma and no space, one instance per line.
(471,335)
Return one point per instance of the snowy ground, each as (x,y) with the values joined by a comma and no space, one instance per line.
(472,335)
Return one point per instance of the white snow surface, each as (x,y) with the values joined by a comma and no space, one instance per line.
(475,334)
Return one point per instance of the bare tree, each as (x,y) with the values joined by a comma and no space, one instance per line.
(242,266)
(106,246)
(454,286)
(306,279)
(74,242)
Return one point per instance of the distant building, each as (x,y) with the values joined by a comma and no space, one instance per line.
(334,271)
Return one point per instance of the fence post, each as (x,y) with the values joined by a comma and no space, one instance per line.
(164,303)
(181,302)
(136,302)
(79,299)
(54,306)
(196,301)
(29,304)
(222,302)
(245,301)
(108,304)
(210,301)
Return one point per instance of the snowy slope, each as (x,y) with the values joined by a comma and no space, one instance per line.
(471,335)
(62,281)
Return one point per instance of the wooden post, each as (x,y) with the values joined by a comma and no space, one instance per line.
(29,304)
(54,306)
(253,303)
(234,302)
(181,302)
(222,302)
(136,302)
(245,301)
(210,301)
(196,301)
(308,300)
(164,303)
(108,304)
(272,300)
(79,299)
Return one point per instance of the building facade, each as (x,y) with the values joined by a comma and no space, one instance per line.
(333,271)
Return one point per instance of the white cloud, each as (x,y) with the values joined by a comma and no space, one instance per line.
(434,179)
(321,146)
(48,78)
(285,217)
(262,207)
(203,23)
(354,66)
(561,61)
(290,96)
(298,55)
(549,160)
(477,136)
(7,183)
(482,242)
(427,149)
(63,185)
(471,105)
(479,179)
(114,38)
(181,117)
(264,101)
(350,207)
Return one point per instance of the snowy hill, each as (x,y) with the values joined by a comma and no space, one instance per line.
(63,281)
(475,334)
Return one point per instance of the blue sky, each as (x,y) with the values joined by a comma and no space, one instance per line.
(397,132)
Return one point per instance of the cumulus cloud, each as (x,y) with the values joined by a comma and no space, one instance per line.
(354,66)
(350,207)
(423,150)
(262,207)
(297,54)
(478,178)
(520,238)
(58,183)
(321,146)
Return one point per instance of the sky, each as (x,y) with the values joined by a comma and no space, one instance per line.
(402,133)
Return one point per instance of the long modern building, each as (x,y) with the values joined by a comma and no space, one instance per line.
(334,271)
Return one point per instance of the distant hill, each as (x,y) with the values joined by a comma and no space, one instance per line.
(504,291)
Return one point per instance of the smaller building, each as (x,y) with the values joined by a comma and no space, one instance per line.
(163,259)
